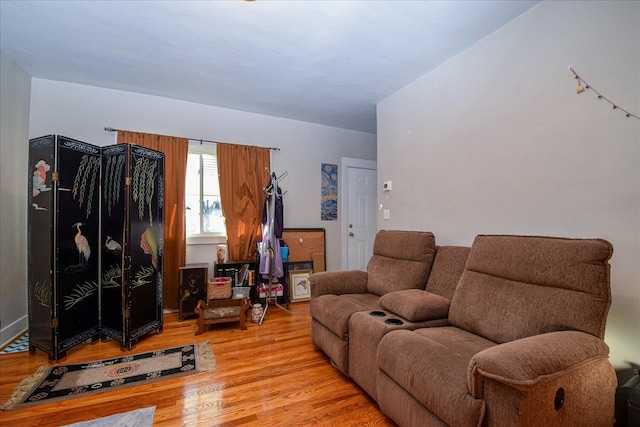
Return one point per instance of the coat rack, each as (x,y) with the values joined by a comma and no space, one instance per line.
(273,198)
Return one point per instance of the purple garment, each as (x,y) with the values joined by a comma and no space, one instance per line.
(266,254)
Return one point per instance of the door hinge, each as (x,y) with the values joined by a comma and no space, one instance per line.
(55,176)
(54,322)
(127,313)
(127,181)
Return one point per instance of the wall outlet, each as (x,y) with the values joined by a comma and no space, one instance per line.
(386,214)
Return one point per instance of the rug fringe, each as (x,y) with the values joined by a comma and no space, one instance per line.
(206,359)
(25,387)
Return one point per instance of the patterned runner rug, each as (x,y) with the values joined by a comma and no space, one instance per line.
(51,383)
(19,345)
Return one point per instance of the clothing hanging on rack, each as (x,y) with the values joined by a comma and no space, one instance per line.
(272,225)
(278,218)
(270,256)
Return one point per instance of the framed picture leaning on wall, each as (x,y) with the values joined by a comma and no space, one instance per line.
(299,286)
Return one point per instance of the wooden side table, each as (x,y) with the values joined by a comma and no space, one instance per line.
(221,311)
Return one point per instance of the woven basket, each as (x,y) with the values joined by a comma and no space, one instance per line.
(219,288)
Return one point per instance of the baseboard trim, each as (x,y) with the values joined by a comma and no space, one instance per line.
(13,331)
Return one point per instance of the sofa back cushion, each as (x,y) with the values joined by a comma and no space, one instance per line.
(519,286)
(401,260)
(446,270)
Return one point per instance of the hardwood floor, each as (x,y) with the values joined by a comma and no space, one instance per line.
(267,375)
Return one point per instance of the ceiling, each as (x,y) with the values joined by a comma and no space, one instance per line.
(326,62)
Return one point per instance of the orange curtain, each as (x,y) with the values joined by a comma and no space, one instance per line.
(176,151)
(242,176)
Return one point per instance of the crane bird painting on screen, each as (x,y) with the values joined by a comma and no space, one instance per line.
(83,248)
(112,246)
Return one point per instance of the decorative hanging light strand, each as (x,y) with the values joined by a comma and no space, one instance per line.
(582,85)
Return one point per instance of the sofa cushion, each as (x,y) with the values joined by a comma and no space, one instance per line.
(338,282)
(333,311)
(518,286)
(432,364)
(416,305)
(366,301)
(446,270)
(401,260)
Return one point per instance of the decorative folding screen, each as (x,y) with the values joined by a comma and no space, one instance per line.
(67,238)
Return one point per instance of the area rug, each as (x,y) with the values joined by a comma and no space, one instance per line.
(51,383)
(138,418)
(17,346)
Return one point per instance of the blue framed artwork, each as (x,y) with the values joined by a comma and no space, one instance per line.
(329,193)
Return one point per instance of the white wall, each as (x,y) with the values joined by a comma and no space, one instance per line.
(15,87)
(82,112)
(496,140)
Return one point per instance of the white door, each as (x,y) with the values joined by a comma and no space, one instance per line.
(361,216)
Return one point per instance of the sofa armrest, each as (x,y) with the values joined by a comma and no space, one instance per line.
(338,282)
(525,362)
(416,305)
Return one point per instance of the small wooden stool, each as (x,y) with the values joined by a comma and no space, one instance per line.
(221,311)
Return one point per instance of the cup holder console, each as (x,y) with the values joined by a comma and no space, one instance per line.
(390,321)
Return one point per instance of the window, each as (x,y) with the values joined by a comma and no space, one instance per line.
(202,192)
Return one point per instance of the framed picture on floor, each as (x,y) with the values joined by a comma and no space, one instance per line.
(299,286)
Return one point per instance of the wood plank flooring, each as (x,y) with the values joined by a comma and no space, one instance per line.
(267,375)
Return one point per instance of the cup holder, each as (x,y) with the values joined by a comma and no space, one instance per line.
(378,313)
(394,322)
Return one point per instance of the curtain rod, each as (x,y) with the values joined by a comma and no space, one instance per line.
(110,129)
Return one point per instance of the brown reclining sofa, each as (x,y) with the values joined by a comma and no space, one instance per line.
(507,332)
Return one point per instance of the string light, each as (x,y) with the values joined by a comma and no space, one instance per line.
(582,86)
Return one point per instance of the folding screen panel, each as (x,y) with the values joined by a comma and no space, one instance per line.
(132,227)
(63,244)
